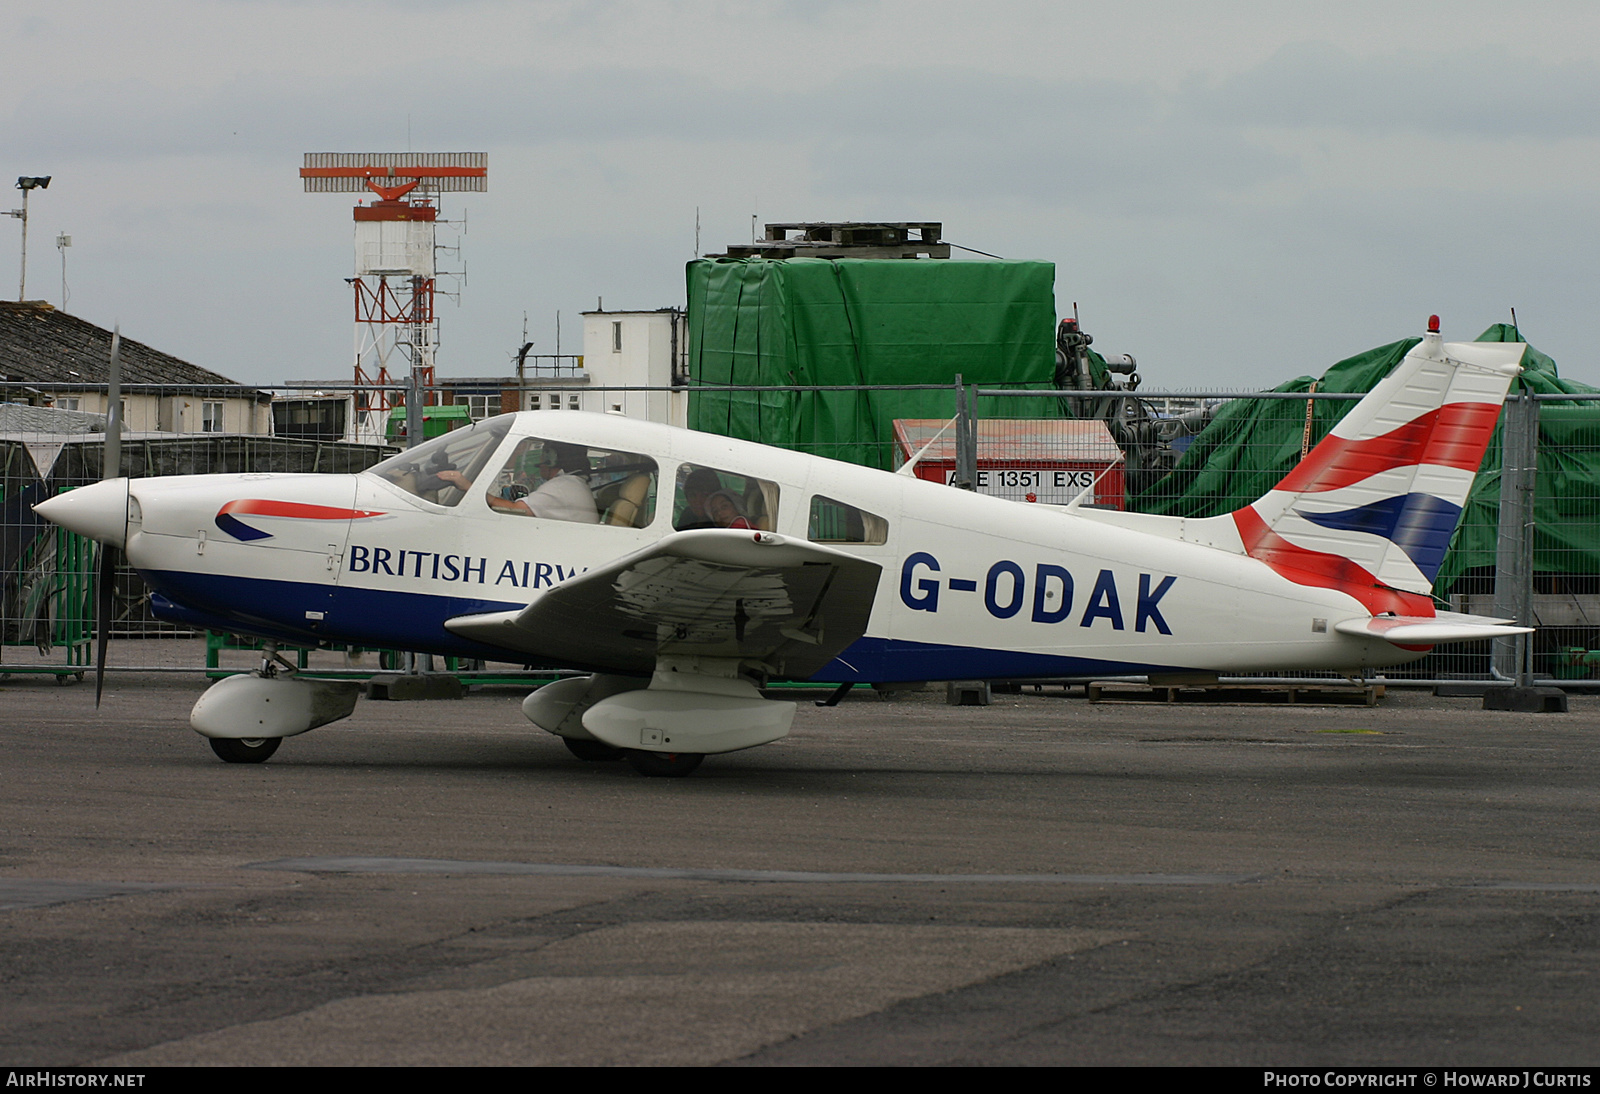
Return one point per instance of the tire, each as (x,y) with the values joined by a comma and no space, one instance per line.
(666,765)
(593,751)
(244,750)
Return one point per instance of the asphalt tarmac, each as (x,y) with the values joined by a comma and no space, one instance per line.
(1041,881)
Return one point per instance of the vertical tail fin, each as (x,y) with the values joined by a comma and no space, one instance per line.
(1371,509)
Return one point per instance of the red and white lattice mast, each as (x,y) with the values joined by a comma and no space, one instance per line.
(394,270)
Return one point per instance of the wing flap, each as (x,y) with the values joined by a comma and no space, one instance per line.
(705,593)
(1426,630)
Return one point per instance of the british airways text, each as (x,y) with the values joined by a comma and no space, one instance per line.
(470,568)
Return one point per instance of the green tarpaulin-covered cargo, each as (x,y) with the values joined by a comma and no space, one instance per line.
(1252,443)
(808,321)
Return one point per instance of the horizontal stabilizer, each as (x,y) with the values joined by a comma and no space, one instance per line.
(1428,630)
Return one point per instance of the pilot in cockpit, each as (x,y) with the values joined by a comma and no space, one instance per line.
(563,494)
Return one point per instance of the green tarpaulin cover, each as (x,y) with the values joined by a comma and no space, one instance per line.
(810,321)
(1253,443)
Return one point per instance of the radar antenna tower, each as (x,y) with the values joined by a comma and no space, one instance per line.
(394,282)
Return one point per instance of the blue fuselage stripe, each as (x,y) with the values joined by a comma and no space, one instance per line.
(362,617)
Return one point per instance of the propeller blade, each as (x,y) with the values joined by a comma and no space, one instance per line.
(105,587)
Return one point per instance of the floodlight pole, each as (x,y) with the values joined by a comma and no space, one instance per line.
(25,183)
(22,213)
(22,279)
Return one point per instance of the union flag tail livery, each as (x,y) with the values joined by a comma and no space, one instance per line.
(1371,509)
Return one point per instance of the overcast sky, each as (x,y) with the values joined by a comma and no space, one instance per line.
(1234,192)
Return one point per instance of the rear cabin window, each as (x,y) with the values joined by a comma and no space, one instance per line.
(559,480)
(837,522)
(442,469)
(709,497)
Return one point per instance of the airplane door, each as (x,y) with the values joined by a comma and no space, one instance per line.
(838,513)
(335,542)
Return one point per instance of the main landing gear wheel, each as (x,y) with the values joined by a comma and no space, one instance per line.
(667,765)
(593,751)
(244,750)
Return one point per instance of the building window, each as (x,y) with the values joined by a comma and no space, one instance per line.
(310,419)
(533,402)
(210,417)
(616,336)
(572,402)
(480,407)
(66,402)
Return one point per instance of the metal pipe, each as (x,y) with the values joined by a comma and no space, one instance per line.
(22,280)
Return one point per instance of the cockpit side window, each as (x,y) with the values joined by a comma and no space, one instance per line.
(711,498)
(561,480)
(442,469)
(838,522)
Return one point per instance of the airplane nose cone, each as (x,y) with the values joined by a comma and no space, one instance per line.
(99,511)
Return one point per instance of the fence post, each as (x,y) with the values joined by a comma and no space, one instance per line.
(966,439)
(414,410)
(413,663)
(1513,568)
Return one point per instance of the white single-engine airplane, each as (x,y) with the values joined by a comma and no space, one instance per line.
(684,570)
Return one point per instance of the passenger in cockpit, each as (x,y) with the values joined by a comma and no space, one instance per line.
(698,487)
(726,510)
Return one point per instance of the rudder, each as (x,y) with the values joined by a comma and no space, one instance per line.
(1371,509)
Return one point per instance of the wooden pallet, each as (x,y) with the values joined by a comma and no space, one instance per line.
(1327,694)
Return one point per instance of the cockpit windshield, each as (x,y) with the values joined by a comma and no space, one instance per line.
(442,469)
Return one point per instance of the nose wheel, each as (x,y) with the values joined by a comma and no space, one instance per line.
(667,765)
(244,750)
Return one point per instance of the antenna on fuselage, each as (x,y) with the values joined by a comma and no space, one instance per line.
(909,468)
(1088,490)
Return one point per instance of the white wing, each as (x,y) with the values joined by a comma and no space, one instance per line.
(754,596)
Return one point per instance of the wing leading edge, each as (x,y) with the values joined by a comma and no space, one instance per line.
(713,593)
